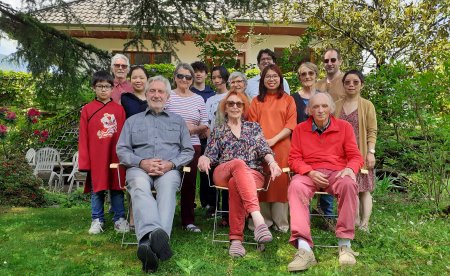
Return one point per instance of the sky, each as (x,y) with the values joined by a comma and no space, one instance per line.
(9,46)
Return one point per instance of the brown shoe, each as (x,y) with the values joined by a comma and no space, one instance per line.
(302,260)
(347,255)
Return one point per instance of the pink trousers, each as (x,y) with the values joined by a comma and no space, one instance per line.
(300,192)
(242,183)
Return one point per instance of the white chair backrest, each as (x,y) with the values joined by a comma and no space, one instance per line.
(75,161)
(30,156)
(46,159)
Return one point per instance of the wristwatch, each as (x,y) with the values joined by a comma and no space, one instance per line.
(372,151)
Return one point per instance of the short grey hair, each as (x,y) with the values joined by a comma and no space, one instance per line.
(119,56)
(183,65)
(161,79)
(310,66)
(237,74)
(331,103)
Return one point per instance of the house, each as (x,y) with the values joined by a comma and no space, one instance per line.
(95,26)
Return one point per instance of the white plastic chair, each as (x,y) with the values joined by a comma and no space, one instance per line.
(47,159)
(75,176)
(31,157)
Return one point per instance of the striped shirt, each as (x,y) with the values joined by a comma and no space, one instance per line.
(192,109)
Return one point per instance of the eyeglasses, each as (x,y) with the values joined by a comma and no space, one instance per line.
(348,82)
(238,104)
(123,66)
(309,73)
(333,60)
(236,81)
(103,87)
(271,77)
(181,76)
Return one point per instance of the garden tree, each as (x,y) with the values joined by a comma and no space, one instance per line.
(63,63)
(412,31)
(218,48)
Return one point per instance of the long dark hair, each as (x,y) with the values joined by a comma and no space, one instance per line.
(263,89)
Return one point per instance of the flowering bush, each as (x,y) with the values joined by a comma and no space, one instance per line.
(19,132)
(18,185)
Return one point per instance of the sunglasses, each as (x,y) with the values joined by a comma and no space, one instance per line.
(309,73)
(238,104)
(348,82)
(333,60)
(123,66)
(181,76)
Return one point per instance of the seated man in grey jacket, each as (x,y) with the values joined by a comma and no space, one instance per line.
(153,145)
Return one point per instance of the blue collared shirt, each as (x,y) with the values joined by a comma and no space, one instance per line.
(320,130)
(148,135)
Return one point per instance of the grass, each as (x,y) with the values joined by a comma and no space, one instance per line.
(405,239)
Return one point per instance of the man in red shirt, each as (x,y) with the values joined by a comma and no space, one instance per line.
(120,66)
(325,157)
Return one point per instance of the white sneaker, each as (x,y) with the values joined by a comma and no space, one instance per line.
(96,227)
(122,226)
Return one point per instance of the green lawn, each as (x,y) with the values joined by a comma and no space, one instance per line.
(405,239)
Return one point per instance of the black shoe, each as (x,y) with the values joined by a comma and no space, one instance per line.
(147,256)
(159,241)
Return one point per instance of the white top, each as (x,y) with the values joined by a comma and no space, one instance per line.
(211,108)
(253,86)
(192,109)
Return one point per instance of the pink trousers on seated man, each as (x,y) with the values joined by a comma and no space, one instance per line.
(301,191)
(324,155)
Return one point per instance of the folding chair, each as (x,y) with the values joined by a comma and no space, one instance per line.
(47,159)
(318,214)
(117,166)
(218,212)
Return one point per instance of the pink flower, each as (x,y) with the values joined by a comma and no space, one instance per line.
(33,112)
(10,116)
(44,134)
(3,130)
(36,132)
(34,120)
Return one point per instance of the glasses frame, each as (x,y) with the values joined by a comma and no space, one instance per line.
(103,87)
(333,60)
(230,104)
(181,76)
(120,66)
(304,74)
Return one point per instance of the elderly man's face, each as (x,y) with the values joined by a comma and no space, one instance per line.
(320,109)
(157,96)
(331,62)
(120,69)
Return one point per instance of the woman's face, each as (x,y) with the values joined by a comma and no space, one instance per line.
(271,81)
(352,85)
(138,80)
(238,84)
(306,76)
(234,107)
(183,79)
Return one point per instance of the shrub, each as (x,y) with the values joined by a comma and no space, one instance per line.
(18,185)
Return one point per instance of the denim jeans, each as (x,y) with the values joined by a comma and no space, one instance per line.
(326,204)
(117,205)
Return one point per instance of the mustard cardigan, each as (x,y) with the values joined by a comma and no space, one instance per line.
(367,120)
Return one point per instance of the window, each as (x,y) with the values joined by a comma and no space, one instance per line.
(138,58)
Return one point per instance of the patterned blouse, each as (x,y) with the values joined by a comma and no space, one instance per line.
(251,147)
